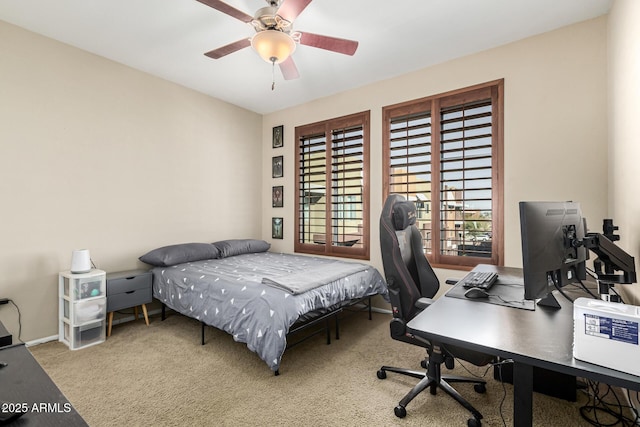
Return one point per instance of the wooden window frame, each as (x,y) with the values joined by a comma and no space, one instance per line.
(434,104)
(360,250)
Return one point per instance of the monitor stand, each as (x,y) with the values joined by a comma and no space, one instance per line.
(549,301)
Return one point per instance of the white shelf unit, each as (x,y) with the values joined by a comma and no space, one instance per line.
(82,308)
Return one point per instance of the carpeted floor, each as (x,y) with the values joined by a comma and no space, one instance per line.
(160,375)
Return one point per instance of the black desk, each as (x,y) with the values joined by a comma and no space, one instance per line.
(24,382)
(541,338)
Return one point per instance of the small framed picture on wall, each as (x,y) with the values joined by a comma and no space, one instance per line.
(276,166)
(276,228)
(277,136)
(277,196)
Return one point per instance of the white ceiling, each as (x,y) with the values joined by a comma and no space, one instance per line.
(168,39)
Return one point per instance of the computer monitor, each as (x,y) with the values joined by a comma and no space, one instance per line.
(552,255)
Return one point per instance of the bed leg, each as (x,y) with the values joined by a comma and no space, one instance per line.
(202,323)
(163,312)
(277,372)
(327,326)
(370,309)
(337,328)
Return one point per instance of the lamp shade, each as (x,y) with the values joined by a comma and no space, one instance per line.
(80,261)
(273,46)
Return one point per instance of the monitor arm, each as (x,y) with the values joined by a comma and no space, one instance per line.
(610,258)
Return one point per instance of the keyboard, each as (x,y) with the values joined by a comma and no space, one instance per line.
(479,279)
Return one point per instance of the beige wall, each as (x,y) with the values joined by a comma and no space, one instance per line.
(624,128)
(555,125)
(97,155)
(100,156)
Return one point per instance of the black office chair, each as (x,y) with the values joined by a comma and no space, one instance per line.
(412,283)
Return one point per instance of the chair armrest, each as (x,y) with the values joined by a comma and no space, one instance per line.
(423,303)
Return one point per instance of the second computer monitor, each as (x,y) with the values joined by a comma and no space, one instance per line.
(552,254)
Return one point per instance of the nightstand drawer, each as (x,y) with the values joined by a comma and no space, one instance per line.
(128,289)
(118,283)
(128,299)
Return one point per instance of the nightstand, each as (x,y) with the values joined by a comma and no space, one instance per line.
(126,289)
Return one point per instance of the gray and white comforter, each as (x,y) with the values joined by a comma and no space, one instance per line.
(243,295)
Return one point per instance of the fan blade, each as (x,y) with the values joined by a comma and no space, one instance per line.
(289,69)
(230,48)
(334,44)
(290,9)
(229,10)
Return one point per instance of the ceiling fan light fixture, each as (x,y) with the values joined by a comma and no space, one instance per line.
(273,46)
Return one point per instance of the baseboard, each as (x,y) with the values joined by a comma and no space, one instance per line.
(115,322)
(131,318)
(373,308)
(41,340)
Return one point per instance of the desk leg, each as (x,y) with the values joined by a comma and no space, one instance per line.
(522,395)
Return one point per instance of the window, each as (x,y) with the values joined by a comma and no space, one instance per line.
(332,187)
(445,154)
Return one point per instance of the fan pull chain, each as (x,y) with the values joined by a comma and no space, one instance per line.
(273,74)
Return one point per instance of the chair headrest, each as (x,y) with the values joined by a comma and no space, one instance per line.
(404,215)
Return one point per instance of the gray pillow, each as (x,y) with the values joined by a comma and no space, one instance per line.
(177,254)
(233,247)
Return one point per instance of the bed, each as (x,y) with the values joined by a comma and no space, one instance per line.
(255,295)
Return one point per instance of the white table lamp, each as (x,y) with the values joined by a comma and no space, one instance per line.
(80,261)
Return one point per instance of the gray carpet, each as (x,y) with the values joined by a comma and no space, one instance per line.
(160,375)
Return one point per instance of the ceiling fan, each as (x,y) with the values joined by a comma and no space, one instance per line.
(275,39)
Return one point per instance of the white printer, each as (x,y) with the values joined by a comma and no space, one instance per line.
(606,333)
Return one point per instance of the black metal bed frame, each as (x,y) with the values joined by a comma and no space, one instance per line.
(304,325)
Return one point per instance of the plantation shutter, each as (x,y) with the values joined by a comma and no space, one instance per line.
(410,166)
(347,186)
(466,188)
(444,153)
(312,188)
(332,183)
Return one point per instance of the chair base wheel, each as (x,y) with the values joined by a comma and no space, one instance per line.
(480,388)
(449,362)
(474,422)
(400,411)
(381,374)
